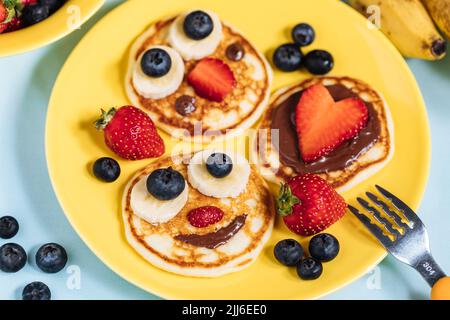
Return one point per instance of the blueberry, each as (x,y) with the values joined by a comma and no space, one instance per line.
(52,5)
(106,169)
(324,247)
(198,25)
(165,184)
(309,269)
(156,63)
(319,62)
(36,291)
(12,257)
(34,13)
(51,258)
(219,165)
(303,34)
(8,227)
(288,252)
(288,57)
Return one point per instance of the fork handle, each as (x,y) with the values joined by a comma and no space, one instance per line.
(441,289)
(436,278)
(429,269)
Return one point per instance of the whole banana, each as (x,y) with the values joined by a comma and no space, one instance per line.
(440,12)
(407,24)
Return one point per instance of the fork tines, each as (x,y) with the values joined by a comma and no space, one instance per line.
(407,212)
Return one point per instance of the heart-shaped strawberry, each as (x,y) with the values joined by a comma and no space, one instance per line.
(323,124)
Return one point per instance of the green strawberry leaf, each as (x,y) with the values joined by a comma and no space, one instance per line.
(10,6)
(286,200)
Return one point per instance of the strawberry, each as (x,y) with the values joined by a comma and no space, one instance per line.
(130,133)
(309,204)
(14,24)
(212,79)
(28,2)
(7,13)
(323,124)
(205,216)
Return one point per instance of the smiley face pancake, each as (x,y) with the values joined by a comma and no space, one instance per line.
(177,228)
(350,144)
(206,81)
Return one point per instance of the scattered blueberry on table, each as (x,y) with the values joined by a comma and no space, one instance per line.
(51,258)
(12,257)
(8,227)
(36,291)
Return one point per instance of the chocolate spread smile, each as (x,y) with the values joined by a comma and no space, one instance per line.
(343,156)
(214,239)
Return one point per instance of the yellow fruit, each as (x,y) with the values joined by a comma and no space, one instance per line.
(440,12)
(407,24)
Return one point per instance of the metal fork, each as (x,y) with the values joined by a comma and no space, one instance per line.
(411,246)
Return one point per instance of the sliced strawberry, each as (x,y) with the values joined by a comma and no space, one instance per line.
(323,124)
(204,216)
(309,204)
(212,79)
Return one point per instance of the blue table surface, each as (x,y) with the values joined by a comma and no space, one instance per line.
(25,191)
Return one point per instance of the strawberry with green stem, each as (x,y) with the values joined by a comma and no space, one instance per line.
(309,205)
(130,133)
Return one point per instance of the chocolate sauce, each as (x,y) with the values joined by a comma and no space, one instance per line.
(214,239)
(283,119)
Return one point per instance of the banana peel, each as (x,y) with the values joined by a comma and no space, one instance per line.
(408,25)
(440,12)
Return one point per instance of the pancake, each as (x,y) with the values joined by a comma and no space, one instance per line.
(346,166)
(248,221)
(238,111)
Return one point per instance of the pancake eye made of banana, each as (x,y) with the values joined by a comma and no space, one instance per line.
(159,73)
(159,197)
(195,34)
(218,174)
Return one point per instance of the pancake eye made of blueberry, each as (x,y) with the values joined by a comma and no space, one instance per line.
(160,196)
(195,34)
(218,174)
(159,73)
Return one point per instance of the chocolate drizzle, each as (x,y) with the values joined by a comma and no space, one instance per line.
(283,119)
(214,239)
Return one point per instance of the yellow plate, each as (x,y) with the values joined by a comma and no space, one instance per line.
(67,19)
(93,77)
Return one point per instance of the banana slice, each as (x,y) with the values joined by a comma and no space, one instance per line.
(158,88)
(230,186)
(152,210)
(194,49)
